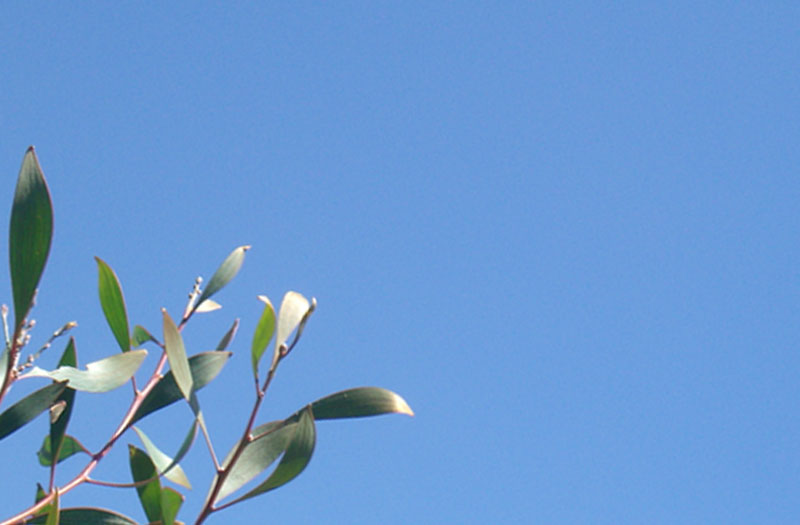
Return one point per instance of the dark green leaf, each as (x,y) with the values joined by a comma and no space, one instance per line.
(360,402)
(141,336)
(264,331)
(176,353)
(294,461)
(29,235)
(171,501)
(58,426)
(228,337)
(99,376)
(226,271)
(165,465)
(113,304)
(69,447)
(87,516)
(23,411)
(272,439)
(142,469)
(204,367)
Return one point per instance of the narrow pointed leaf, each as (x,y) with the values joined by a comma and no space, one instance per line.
(264,331)
(3,366)
(99,376)
(52,515)
(113,303)
(209,305)
(30,234)
(142,469)
(23,411)
(295,459)
(58,426)
(228,337)
(226,271)
(40,495)
(293,308)
(204,368)
(360,402)
(171,501)
(87,516)
(141,336)
(176,353)
(69,447)
(165,465)
(257,456)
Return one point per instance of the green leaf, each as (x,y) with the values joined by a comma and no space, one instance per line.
(271,440)
(204,368)
(142,469)
(264,331)
(40,495)
(226,271)
(294,308)
(228,337)
(360,402)
(294,461)
(30,234)
(58,426)
(87,516)
(69,447)
(113,304)
(176,353)
(23,411)
(52,515)
(99,376)
(171,501)
(167,466)
(141,336)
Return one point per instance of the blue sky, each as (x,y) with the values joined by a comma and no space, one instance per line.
(565,232)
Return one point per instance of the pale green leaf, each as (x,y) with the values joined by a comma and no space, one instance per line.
(229,335)
(209,305)
(263,333)
(30,234)
(271,440)
(294,308)
(204,368)
(26,409)
(165,465)
(113,303)
(226,271)
(99,376)
(176,353)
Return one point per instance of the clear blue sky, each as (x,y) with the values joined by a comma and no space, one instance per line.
(566,233)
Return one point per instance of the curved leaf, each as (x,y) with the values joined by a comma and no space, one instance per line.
(294,461)
(142,469)
(264,331)
(99,376)
(228,337)
(113,304)
(204,368)
(69,447)
(209,305)
(360,402)
(167,466)
(58,426)
(87,516)
(141,336)
(176,353)
(24,410)
(257,456)
(30,234)
(293,308)
(226,271)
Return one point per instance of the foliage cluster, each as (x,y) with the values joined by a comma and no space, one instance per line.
(287,444)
